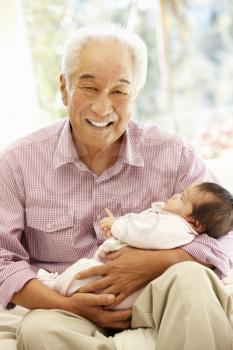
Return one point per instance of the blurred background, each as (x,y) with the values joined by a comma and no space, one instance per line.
(189,88)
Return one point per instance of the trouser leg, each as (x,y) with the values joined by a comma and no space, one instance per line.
(189,308)
(8,324)
(7,338)
(59,330)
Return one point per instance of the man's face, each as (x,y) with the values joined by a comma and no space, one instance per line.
(101,96)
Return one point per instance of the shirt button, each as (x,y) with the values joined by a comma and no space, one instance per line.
(48,225)
(98,217)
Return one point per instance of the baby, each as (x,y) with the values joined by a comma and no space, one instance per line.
(203,208)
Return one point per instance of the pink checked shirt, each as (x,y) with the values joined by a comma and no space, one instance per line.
(51,203)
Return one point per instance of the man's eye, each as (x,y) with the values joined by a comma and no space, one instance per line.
(90,88)
(119,92)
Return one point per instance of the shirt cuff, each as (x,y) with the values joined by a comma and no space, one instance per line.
(15,279)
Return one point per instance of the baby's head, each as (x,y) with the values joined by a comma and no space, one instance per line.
(208,208)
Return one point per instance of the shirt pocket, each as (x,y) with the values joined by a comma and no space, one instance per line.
(49,234)
(49,220)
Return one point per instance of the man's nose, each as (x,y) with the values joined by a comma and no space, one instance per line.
(102,105)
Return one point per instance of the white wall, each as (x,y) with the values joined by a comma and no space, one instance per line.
(18,107)
(222,167)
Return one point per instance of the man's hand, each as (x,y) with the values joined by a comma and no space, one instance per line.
(125,271)
(91,307)
(129,269)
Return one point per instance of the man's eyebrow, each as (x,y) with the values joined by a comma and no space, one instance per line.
(86,76)
(125,81)
(90,76)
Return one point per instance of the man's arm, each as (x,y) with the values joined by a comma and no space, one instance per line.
(15,269)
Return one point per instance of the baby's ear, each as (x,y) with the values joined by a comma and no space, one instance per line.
(196,225)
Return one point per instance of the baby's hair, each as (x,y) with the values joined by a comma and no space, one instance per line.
(216,214)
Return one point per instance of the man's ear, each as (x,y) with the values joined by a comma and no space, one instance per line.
(196,225)
(63,90)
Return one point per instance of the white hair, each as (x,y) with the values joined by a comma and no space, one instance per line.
(76,43)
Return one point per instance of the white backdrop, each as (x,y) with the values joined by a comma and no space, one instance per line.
(18,104)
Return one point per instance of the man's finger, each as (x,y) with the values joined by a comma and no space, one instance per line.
(118,319)
(120,315)
(96,299)
(93,271)
(96,286)
(118,299)
(110,290)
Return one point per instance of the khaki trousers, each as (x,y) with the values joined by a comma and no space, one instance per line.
(188,307)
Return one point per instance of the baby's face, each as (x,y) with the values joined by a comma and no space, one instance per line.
(182,203)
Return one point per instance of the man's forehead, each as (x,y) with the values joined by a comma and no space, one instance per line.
(105,53)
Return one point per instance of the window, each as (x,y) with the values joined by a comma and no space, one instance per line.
(189,87)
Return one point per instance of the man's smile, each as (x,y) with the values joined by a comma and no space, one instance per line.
(99,124)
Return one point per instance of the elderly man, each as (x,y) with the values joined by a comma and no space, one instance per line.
(54,186)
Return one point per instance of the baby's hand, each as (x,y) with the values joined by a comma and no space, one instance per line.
(106,223)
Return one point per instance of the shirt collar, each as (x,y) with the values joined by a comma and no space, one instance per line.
(129,151)
(130,146)
(65,150)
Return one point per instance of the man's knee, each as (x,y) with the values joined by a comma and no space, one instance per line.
(53,329)
(35,325)
(189,270)
(185,276)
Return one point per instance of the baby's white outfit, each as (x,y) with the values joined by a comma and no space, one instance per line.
(153,228)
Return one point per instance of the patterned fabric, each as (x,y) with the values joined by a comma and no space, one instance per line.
(51,203)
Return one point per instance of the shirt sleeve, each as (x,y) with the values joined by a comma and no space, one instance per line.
(212,251)
(217,252)
(15,269)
